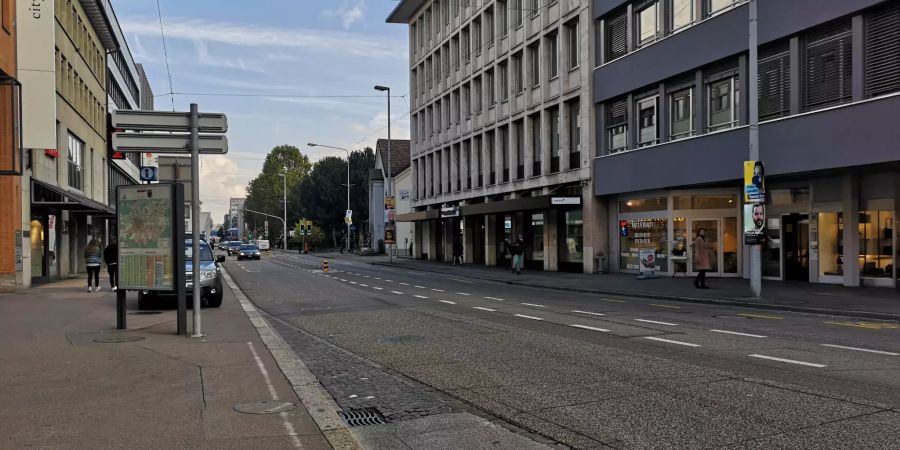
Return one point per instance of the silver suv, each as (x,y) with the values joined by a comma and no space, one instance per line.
(210,278)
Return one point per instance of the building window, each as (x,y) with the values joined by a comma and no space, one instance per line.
(647,23)
(489,26)
(616,37)
(876,245)
(504,152)
(882,65)
(827,67)
(76,162)
(574,110)
(492,157)
(553,119)
(643,234)
(718,5)
(476,94)
(534,58)
(518,73)
(535,7)
(723,103)
(536,144)
(501,18)
(489,83)
(517,13)
(503,74)
(520,149)
(681,111)
(775,82)
(681,13)
(572,41)
(466,50)
(647,111)
(476,36)
(617,126)
(553,54)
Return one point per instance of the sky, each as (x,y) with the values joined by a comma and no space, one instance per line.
(266,55)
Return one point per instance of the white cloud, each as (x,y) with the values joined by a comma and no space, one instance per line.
(348,14)
(323,41)
(207,59)
(139,53)
(221,179)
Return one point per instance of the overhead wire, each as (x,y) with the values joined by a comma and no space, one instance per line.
(166,54)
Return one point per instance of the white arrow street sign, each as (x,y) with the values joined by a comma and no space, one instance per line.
(179,122)
(210,144)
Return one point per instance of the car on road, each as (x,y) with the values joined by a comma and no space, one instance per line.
(234,247)
(263,244)
(210,279)
(248,251)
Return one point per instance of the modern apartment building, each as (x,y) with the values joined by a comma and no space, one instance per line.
(501,127)
(670,91)
(236,214)
(11,228)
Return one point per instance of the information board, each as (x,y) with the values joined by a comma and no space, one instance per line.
(145,237)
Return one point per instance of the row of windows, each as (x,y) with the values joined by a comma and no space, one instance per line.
(75,159)
(119,59)
(473,163)
(77,28)
(77,92)
(825,79)
(652,20)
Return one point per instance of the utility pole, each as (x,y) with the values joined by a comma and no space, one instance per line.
(388,179)
(753,94)
(284,223)
(195,217)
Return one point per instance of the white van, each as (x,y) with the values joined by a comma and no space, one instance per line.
(263,244)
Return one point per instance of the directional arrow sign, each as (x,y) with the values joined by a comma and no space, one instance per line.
(178,122)
(168,143)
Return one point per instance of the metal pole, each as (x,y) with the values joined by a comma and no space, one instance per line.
(121,323)
(195,217)
(348,198)
(753,94)
(390,189)
(284,223)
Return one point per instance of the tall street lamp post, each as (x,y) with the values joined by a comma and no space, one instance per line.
(389,178)
(348,184)
(284,223)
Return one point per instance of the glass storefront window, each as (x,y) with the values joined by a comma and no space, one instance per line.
(681,245)
(771,251)
(730,245)
(573,247)
(876,249)
(643,205)
(537,237)
(37,248)
(647,233)
(831,244)
(705,202)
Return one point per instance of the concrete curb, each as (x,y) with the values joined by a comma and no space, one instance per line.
(708,301)
(320,405)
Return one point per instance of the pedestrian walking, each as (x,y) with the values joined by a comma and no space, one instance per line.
(518,251)
(92,262)
(701,259)
(111,258)
(457,250)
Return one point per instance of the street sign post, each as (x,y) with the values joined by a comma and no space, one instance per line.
(149,173)
(176,122)
(211,144)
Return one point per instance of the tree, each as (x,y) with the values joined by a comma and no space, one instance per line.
(361,162)
(265,193)
(321,196)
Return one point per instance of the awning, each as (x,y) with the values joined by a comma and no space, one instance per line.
(519,204)
(50,196)
(418,216)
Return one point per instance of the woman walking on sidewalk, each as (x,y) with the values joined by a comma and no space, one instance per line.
(92,261)
(701,259)
(111,258)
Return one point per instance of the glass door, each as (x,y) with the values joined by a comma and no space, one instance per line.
(712,243)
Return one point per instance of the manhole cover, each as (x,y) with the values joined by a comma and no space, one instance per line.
(264,407)
(118,339)
(144,313)
(362,417)
(402,339)
(730,317)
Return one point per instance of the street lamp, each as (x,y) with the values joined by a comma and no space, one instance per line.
(389,188)
(348,183)
(284,223)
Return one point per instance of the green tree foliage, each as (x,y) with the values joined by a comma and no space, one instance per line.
(265,192)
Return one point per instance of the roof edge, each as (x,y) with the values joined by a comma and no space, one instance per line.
(404,11)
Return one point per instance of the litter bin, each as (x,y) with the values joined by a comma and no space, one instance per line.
(600,263)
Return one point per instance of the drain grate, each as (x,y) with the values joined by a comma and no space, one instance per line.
(362,417)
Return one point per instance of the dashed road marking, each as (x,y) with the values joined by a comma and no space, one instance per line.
(419,287)
(363,285)
(405,284)
(389,281)
(437,290)
(447,302)
(527,317)
(396,292)
(866,325)
(461,281)
(481,308)
(533,304)
(738,334)
(789,361)
(494,298)
(588,312)
(657,322)
(353,282)
(463,293)
(880,352)
(686,344)
(377,288)
(761,316)
(611,300)
(377,278)
(585,327)
(665,306)
(419,296)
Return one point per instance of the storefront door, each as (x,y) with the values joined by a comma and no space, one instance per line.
(712,227)
(795,232)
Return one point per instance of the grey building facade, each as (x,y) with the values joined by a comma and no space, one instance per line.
(672,134)
(501,118)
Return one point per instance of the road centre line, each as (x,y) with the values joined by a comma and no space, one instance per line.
(880,352)
(481,308)
(665,306)
(527,317)
(585,327)
(377,278)
(789,361)
(419,296)
(447,302)
(738,334)
(494,298)
(405,284)
(463,293)
(437,290)
(760,316)
(378,288)
(353,282)
(419,287)
(396,292)
(658,323)
(686,344)
(611,300)
(461,281)
(389,281)
(588,312)
(363,285)
(533,304)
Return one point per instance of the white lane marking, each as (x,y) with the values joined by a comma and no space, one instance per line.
(363,285)
(463,293)
(437,290)
(353,282)
(378,288)
(484,309)
(342,280)
(461,281)
(588,312)
(494,298)
(377,278)
(880,352)
(396,292)
(419,287)
(288,426)
(687,344)
(612,300)
(419,296)
(370,397)
(414,273)
(405,284)
(585,327)
(789,361)
(533,304)
(738,334)
(658,323)
(389,281)
(366,276)
(527,317)
(447,302)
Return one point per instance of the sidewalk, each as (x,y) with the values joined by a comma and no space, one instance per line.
(62,387)
(862,302)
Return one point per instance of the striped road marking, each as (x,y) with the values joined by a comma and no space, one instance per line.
(585,327)
(527,317)
(533,304)
(480,308)
(686,344)
(789,361)
(588,313)
(658,323)
(738,334)
(880,352)
(447,302)
(494,298)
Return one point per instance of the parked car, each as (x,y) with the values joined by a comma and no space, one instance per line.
(248,251)
(210,278)
(234,247)
(222,245)
(263,244)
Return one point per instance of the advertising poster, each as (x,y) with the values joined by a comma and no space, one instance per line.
(648,260)
(754,182)
(754,223)
(146,238)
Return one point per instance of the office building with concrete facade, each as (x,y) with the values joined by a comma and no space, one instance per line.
(670,90)
(501,126)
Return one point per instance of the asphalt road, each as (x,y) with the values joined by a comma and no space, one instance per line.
(579,369)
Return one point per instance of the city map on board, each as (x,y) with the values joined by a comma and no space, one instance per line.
(145,237)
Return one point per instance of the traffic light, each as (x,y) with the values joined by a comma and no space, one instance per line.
(111,152)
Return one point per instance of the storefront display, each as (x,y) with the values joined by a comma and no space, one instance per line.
(645,233)
(572,243)
(876,237)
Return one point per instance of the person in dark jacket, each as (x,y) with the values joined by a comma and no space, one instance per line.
(457,250)
(111,258)
(518,251)
(92,263)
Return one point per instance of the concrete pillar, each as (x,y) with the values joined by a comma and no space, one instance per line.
(432,242)
(514,151)
(466,171)
(850,208)
(468,237)
(490,239)
(564,138)
(551,247)
(596,236)
(445,170)
(529,145)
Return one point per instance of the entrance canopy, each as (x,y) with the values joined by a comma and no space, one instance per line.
(50,196)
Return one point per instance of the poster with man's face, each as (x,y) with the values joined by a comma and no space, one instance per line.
(754,223)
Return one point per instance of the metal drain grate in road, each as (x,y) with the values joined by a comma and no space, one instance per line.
(362,417)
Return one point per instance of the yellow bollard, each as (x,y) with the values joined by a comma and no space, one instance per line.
(325,265)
